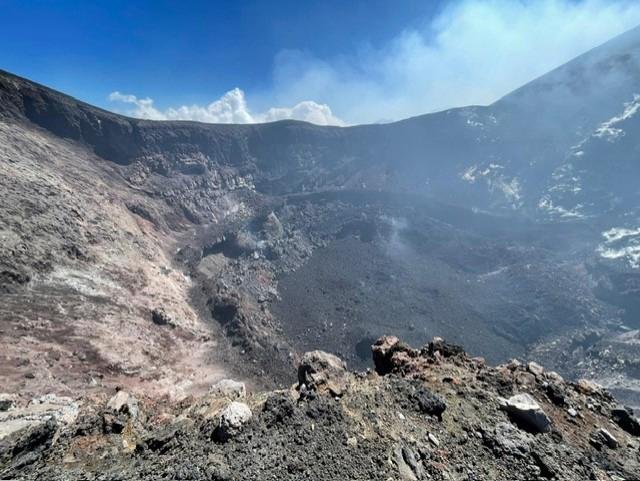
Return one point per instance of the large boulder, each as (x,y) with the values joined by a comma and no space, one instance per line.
(624,418)
(232,419)
(26,432)
(321,371)
(23,440)
(588,387)
(526,413)
(605,437)
(390,354)
(443,348)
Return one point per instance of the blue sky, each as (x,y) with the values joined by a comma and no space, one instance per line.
(327,61)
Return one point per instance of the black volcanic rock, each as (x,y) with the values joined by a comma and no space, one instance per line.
(374,431)
(624,417)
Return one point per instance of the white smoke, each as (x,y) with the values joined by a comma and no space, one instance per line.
(473,52)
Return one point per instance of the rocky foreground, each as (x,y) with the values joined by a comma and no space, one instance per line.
(430,413)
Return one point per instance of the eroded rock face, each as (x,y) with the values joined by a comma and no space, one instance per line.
(586,386)
(22,442)
(526,413)
(389,353)
(273,226)
(607,438)
(443,348)
(121,410)
(321,371)
(505,438)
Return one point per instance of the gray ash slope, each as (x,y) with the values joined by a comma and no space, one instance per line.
(512,228)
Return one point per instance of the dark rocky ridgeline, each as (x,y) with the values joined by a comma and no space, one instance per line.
(430,413)
(503,157)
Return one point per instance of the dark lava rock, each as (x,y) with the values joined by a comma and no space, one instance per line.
(556,394)
(165,438)
(446,349)
(624,418)
(385,351)
(428,402)
(278,408)
(505,438)
(412,394)
(224,308)
(25,446)
(160,317)
(6,402)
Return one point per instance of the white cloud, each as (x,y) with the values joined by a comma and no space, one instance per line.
(473,52)
(144,107)
(230,108)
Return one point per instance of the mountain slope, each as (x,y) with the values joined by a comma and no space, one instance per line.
(126,239)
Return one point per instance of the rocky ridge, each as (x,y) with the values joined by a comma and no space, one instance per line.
(429,413)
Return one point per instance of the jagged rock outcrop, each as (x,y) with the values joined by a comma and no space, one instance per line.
(321,371)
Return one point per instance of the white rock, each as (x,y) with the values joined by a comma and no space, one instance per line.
(232,419)
(433,439)
(229,388)
(322,371)
(526,412)
(609,439)
(572,412)
(63,409)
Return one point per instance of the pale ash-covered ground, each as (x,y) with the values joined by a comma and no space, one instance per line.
(95,272)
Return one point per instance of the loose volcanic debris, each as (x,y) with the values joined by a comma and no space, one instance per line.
(431,413)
